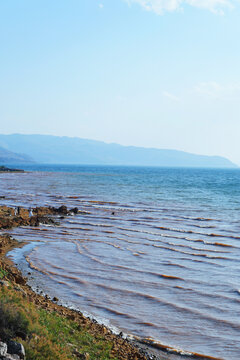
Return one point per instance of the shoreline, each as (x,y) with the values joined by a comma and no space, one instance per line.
(132,347)
(121,348)
(4,169)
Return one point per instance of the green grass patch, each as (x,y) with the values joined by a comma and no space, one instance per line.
(46,335)
(3,273)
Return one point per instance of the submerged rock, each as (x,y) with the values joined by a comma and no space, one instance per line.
(74,210)
(62,210)
(36,220)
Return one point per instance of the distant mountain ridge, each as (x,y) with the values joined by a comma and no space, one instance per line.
(67,150)
(10,157)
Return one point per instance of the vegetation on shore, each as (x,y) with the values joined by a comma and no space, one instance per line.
(44,334)
(49,331)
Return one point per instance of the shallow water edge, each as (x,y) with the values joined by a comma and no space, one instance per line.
(153,349)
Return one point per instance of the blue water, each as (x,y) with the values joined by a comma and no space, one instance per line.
(154,251)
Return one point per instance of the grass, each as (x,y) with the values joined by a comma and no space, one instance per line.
(3,273)
(46,335)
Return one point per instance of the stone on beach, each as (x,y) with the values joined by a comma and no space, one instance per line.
(16,348)
(3,349)
(11,350)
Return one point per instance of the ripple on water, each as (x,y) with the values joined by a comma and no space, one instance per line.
(165,269)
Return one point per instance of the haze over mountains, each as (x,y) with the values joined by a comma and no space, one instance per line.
(9,157)
(18,148)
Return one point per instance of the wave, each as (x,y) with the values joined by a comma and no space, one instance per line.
(172,350)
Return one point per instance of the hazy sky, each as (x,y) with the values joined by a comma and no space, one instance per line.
(154,73)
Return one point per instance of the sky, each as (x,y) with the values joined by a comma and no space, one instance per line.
(152,73)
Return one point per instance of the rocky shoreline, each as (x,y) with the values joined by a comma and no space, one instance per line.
(6,169)
(121,348)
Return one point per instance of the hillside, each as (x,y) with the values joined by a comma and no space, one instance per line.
(10,157)
(65,150)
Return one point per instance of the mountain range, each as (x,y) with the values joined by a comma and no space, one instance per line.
(10,157)
(48,149)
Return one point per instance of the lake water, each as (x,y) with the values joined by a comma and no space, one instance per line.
(155,252)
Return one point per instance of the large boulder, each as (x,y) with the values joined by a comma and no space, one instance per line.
(16,348)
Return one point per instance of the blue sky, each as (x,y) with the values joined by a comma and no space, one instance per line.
(153,73)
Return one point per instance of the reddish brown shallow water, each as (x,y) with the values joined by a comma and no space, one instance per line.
(168,270)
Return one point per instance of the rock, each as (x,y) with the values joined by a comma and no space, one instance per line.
(4,283)
(104,330)
(42,211)
(55,298)
(72,316)
(18,288)
(74,210)
(6,211)
(84,356)
(5,223)
(36,220)
(23,213)
(16,348)
(62,210)
(11,357)
(3,349)
(19,279)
